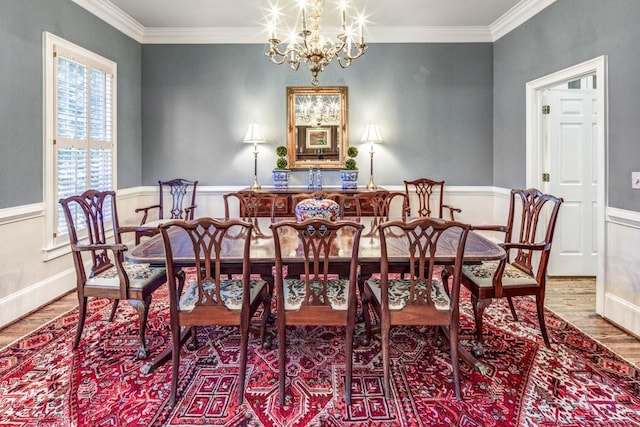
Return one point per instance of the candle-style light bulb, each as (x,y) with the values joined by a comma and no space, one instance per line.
(273,25)
(303,6)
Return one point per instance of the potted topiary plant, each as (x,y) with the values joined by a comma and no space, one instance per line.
(349,175)
(281,174)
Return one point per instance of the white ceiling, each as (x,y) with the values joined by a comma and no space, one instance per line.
(250,13)
(243,21)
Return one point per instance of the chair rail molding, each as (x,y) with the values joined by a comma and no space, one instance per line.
(21,213)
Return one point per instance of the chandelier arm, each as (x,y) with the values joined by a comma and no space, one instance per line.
(347,61)
(294,64)
(274,52)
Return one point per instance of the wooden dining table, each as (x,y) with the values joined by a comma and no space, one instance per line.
(151,250)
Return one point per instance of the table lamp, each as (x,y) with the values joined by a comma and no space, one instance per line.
(372,136)
(254,136)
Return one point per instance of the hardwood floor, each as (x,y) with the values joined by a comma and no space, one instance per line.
(572,299)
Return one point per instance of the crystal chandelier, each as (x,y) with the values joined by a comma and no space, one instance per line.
(322,110)
(308,45)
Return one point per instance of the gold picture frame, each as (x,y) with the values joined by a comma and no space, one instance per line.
(318,138)
(320,111)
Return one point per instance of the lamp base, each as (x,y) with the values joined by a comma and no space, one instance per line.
(255,185)
(371,185)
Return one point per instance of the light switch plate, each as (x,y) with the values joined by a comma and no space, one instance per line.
(635,180)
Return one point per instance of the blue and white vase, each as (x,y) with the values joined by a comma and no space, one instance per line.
(280,178)
(349,179)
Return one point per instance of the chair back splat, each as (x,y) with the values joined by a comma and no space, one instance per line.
(320,291)
(212,295)
(110,277)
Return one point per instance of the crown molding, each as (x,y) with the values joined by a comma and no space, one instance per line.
(376,34)
(114,16)
(123,22)
(203,35)
(379,34)
(516,16)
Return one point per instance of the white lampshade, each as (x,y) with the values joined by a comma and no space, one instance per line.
(254,135)
(371,134)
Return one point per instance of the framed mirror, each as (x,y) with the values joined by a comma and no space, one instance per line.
(317,126)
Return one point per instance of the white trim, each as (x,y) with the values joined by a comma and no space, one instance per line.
(32,297)
(125,23)
(128,193)
(54,247)
(623,217)
(206,35)
(380,34)
(622,313)
(516,16)
(534,154)
(114,16)
(21,213)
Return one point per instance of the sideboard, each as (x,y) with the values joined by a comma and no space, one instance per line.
(284,205)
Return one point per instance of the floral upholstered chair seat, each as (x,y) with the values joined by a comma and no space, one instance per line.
(482,274)
(399,292)
(139,276)
(337,293)
(230,292)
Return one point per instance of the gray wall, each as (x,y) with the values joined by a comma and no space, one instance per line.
(432,103)
(22,23)
(564,34)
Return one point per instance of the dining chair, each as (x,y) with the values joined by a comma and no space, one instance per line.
(182,191)
(384,204)
(319,291)
(429,198)
(90,216)
(419,299)
(248,206)
(528,235)
(209,295)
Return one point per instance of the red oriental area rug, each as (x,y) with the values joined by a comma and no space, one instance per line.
(575,383)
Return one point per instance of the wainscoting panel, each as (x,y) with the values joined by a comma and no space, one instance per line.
(622,281)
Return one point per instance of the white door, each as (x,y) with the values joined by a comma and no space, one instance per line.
(572,167)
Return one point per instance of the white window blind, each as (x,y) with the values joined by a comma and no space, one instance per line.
(83,114)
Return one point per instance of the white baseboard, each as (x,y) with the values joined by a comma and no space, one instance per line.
(26,300)
(622,313)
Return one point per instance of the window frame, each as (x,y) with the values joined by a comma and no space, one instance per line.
(58,245)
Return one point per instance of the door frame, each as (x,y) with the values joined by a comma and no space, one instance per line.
(535,154)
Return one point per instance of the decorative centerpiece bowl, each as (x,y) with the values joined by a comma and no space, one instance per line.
(317,208)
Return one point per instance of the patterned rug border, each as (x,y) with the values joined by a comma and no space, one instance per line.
(566,338)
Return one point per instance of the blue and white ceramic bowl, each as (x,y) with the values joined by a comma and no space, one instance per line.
(317,208)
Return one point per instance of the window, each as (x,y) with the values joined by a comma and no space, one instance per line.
(80,137)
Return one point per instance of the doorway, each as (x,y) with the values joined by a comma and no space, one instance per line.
(545,171)
(568,132)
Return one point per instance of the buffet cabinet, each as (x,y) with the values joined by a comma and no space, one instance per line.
(285,206)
